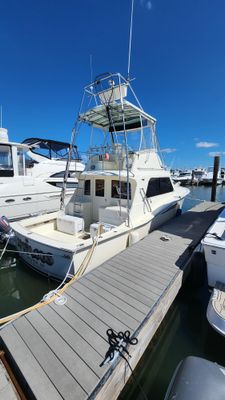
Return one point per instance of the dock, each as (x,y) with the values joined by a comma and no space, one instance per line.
(56,351)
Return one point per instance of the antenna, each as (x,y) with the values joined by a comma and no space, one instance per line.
(91,67)
(130,38)
(1,116)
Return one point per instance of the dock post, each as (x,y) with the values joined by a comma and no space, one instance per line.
(215,175)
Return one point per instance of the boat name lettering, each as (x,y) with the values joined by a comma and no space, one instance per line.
(45,258)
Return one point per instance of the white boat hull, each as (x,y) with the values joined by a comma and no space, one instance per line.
(54,261)
(214,249)
(26,205)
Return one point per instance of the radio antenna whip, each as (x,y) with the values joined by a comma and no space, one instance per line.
(130,38)
(91,68)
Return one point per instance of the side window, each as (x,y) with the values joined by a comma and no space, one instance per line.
(119,190)
(6,165)
(165,185)
(20,158)
(153,187)
(158,186)
(99,187)
(29,162)
(87,187)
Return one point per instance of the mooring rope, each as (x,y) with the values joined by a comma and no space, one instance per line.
(5,247)
(55,294)
(118,343)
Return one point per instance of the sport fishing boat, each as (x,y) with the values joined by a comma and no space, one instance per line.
(124,192)
(31,175)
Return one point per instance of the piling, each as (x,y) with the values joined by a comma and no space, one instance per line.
(215,175)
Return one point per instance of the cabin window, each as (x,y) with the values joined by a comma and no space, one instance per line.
(87,187)
(99,187)
(20,159)
(29,162)
(6,165)
(157,186)
(119,190)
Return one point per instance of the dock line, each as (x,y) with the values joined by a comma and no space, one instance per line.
(56,294)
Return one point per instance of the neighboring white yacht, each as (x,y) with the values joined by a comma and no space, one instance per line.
(31,176)
(184,177)
(197,175)
(207,177)
(214,251)
(124,192)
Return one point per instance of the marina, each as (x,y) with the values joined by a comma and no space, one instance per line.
(137,302)
(112,206)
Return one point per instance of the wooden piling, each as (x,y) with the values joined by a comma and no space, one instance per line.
(215,175)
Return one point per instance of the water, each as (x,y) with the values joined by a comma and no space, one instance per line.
(185,330)
(20,287)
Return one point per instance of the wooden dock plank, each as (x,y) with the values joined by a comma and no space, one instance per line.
(147,296)
(32,371)
(137,284)
(86,315)
(115,283)
(149,272)
(81,347)
(99,312)
(112,309)
(113,299)
(86,331)
(155,258)
(126,298)
(7,390)
(152,276)
(50,361)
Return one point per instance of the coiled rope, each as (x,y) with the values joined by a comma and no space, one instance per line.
(55,294)
(118,343)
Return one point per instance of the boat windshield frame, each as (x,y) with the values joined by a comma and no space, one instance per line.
(53,148)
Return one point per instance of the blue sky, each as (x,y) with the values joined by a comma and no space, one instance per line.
(178,60)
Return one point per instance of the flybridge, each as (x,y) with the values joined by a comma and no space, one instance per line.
(105,106)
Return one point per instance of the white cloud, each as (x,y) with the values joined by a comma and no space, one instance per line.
(206,144)
(147,4)
(168,150)
(214,153)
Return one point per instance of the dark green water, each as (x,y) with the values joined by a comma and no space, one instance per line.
(185,330)
(20,287)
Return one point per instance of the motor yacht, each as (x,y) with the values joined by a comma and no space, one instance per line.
(31,175)
(184,177)
(124,192)
(207,177)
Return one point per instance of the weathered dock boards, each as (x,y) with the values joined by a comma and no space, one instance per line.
(57,350)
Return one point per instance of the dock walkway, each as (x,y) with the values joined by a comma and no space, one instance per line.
(56,351)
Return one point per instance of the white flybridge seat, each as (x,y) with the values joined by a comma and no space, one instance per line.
(113,215)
